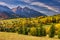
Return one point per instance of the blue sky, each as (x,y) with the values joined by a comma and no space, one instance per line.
(44,6)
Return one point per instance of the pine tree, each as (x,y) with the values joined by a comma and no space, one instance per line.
(38,31)
(25,31)
(44,32)
(41,30)
(59,33)
(54,20)
(20,30)
(52,31)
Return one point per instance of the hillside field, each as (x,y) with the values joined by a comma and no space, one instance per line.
(15,36)
(36,28)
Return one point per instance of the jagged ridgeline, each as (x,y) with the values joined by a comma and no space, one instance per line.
(7,13)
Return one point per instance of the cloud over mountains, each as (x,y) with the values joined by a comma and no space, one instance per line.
(39,5)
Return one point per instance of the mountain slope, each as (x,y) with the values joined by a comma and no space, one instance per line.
(27,12)
(6,12)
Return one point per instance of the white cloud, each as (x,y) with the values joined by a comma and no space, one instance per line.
(27,1)
(3,3)
(46,6)
(8,5)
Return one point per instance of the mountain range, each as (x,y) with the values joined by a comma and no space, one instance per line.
(6,12)
(26,12)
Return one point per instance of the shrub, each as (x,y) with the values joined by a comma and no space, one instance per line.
(12,29)
(2,29)
(7,29)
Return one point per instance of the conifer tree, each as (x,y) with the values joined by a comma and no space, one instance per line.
(25,31)
(44,32)
(41,30)
(52,31)
(20,30)
(59,33)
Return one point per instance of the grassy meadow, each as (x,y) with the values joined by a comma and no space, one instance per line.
(15,36)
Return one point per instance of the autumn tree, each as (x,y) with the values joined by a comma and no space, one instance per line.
(33,31)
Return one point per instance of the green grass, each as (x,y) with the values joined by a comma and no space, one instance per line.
(15,36)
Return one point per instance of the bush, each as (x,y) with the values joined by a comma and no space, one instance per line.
(2,29)
(7,29)
(12,29)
